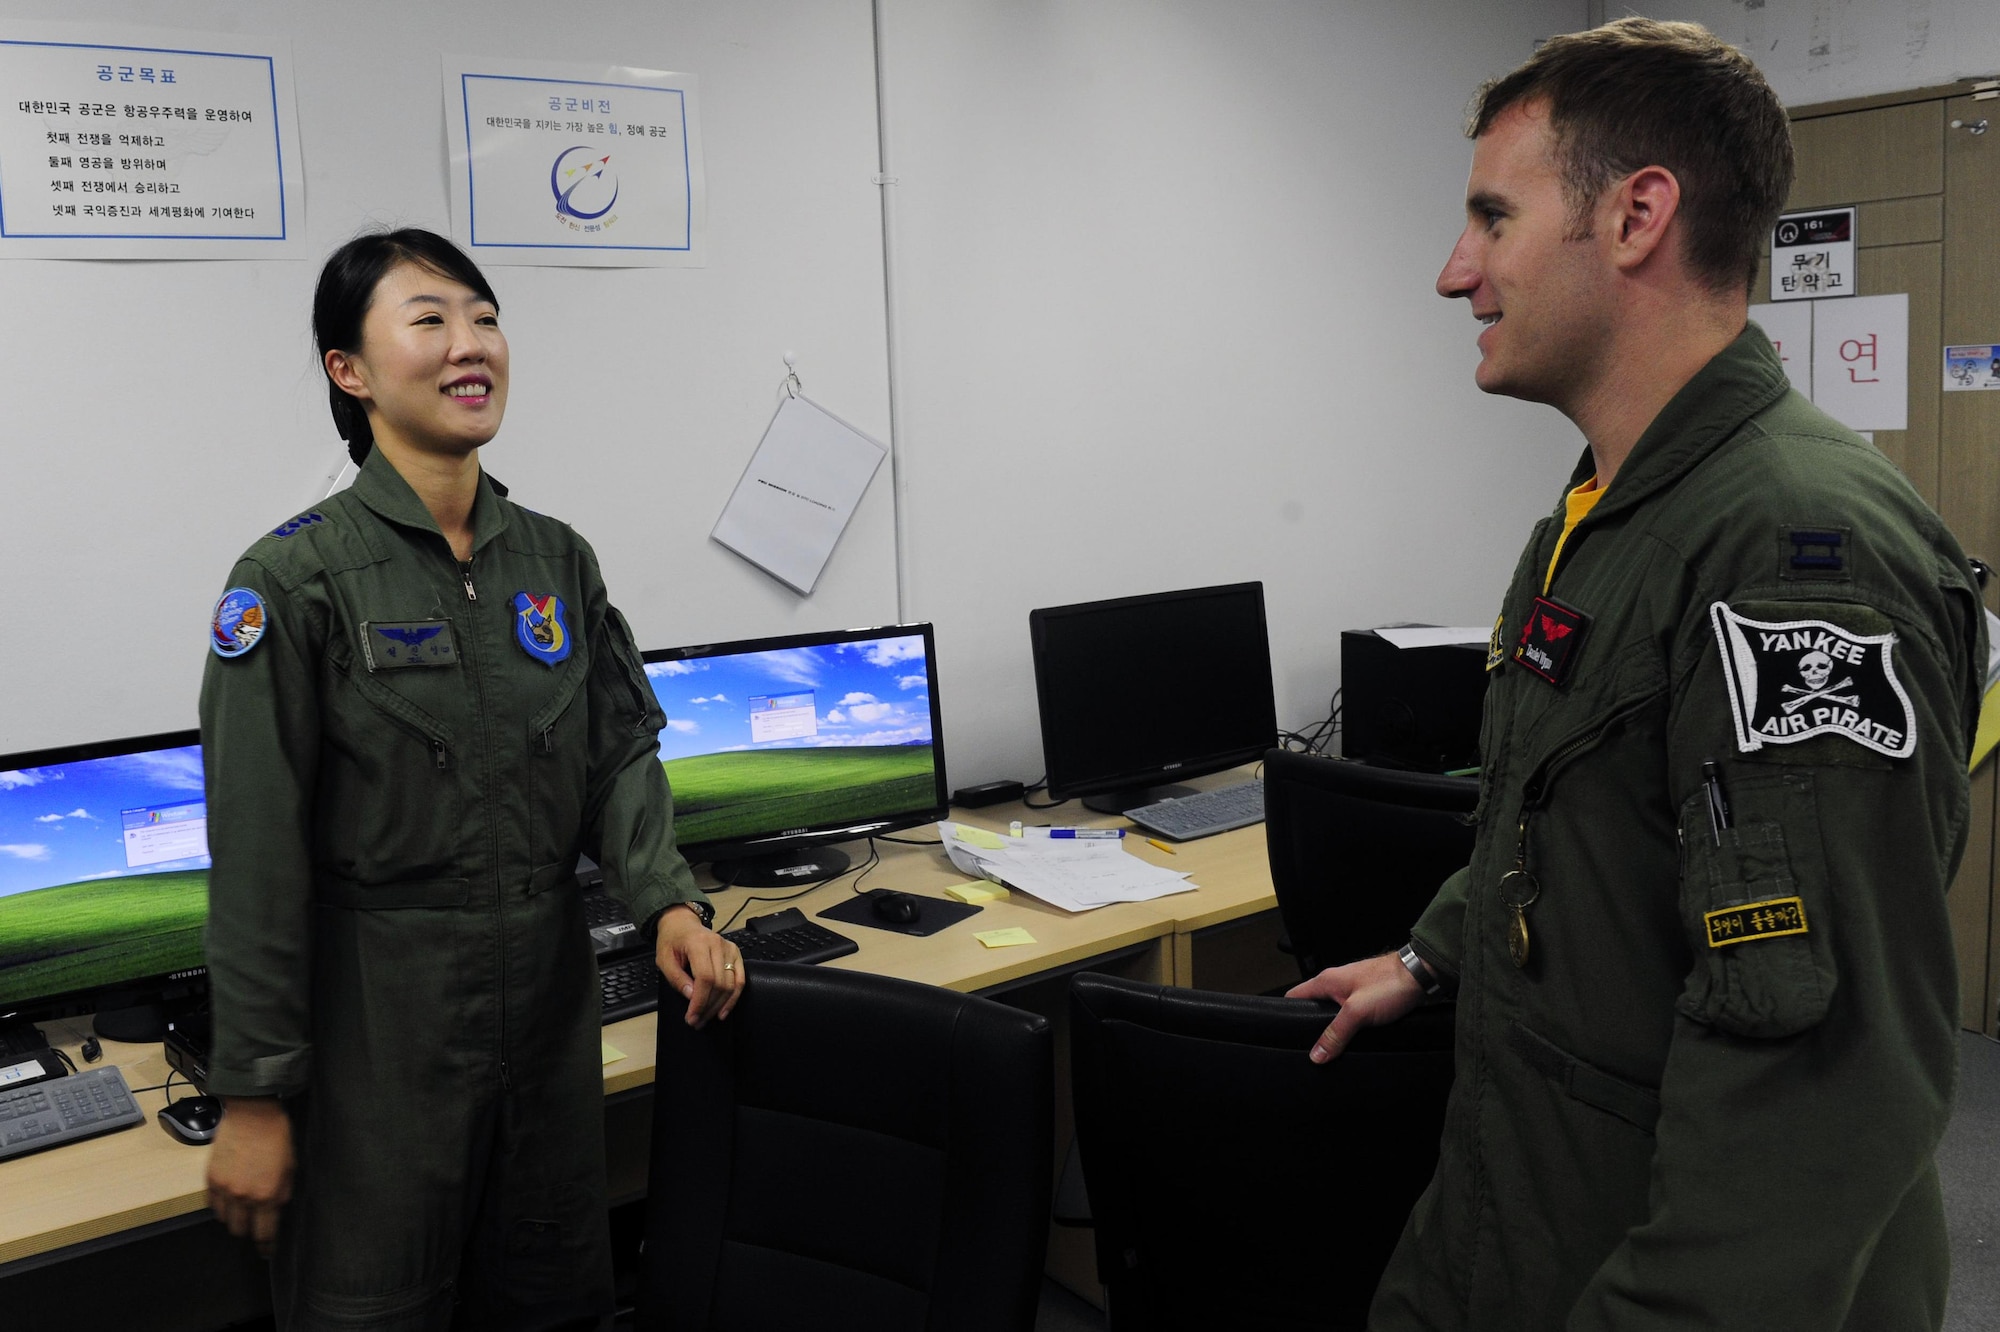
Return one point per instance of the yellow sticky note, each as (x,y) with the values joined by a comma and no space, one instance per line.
(973,894)
(612,1054)
(979,837)
(1006,938)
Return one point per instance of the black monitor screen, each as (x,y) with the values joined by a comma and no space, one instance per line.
(103,867)
(808,736)
(1147,689)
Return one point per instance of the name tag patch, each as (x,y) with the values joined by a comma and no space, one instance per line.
(390,645)
(1550,638)
(1794,679)
(1755,920)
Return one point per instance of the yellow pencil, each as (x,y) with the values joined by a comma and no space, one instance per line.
(1163,846)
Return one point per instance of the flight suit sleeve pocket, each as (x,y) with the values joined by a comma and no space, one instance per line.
(1753,903)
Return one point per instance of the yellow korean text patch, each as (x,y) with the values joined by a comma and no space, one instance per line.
(1755,920)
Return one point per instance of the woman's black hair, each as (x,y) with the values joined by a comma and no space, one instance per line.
(347,285)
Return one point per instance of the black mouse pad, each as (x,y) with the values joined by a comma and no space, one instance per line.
(933,914)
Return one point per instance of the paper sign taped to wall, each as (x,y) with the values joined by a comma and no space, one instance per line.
(1861,361)
(800,490)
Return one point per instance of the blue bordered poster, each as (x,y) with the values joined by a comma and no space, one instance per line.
(596,166)
(122,143)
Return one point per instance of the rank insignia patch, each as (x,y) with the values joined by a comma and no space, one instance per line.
(1791,680)
(238,622)
(389,646)
(304,520)
(539,627)
(1550,638)
(1755,920)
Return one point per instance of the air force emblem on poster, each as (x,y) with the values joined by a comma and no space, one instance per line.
(539,627)
(1796,679)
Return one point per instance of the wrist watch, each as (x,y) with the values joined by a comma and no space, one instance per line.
(702,910)
(1420,970)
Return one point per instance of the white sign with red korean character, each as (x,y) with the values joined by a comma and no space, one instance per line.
(1861,361)
(1812,255)
(1790,329)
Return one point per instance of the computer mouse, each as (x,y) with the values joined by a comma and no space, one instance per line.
(192,1119)
(896,908)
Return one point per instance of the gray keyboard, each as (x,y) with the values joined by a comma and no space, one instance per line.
(61,1110)
(1204,812)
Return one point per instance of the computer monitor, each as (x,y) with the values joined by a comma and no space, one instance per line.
(103,881)
(1137,692)
(775,747)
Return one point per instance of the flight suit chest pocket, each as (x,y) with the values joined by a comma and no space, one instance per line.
(558,765)
(392,800)
(1754,902)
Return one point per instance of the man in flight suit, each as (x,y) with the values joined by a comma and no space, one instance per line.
(1706,993)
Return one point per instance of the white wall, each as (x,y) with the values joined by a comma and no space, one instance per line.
(1822,50)
(1165,276)
(160,416)
(1165,279)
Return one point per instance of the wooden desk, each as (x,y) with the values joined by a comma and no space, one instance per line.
(83,1198)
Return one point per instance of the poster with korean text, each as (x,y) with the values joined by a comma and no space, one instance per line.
(123,143)
(595,166)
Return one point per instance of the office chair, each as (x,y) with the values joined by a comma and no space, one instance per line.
(1233,1183)
(1357,852)
(849,1151)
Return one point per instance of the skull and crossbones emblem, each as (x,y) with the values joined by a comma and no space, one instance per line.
(1816,668)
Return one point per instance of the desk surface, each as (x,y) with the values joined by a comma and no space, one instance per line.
(83,1191)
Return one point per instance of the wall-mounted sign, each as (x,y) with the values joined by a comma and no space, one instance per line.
(1970,369)
(1812,255)
(122,143)
(1861,361)
(597,166)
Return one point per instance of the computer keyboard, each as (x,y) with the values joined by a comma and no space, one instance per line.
(629,987)
(787,936)
(612,932)
(61,1110)
(1204,812)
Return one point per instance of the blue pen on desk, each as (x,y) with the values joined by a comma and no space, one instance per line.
(1086,833)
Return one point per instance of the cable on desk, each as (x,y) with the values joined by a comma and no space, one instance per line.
(1037,785)
(1315,738)
(809,888)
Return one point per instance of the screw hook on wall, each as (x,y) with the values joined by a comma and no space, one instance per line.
(1974,127)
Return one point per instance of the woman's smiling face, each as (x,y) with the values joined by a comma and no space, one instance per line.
(432,365)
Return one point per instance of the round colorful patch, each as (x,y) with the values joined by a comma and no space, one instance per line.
(238,623)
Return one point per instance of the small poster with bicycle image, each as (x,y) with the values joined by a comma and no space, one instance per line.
(1969,369)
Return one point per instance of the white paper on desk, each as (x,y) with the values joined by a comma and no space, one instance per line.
(1075,875)
(802,485)
(1423,635)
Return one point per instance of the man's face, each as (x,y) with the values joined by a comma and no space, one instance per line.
(1543,294)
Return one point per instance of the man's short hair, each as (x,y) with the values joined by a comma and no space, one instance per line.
(1638,92)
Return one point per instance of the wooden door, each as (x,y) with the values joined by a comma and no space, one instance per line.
(1928,223)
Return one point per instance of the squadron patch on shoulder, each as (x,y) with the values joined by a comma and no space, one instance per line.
(397,645)
(1794,679)
(1755,920)
(540,629)
(238,622)
(303,521)
(1496,648)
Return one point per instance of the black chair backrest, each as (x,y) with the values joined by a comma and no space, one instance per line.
(849,1151)
(1357,852)
(1234,1183)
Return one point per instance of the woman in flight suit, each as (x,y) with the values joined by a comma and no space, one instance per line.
(419,708)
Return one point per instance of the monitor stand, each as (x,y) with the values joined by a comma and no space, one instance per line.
(131,1018)
(784,869)
(1131,797)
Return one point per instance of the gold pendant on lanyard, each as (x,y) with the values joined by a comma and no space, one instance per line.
(1518,889)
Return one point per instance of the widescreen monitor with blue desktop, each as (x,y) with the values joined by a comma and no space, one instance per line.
(777,747)
(103,880)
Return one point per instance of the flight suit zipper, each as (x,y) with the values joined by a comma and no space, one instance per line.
(499,898)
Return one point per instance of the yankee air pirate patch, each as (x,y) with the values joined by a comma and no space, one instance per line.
(1755,920)
(1795,679)
(1550,637)
(396,645)
(540,629)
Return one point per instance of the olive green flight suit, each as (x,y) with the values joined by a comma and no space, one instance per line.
(1678,1115)
(395,941)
